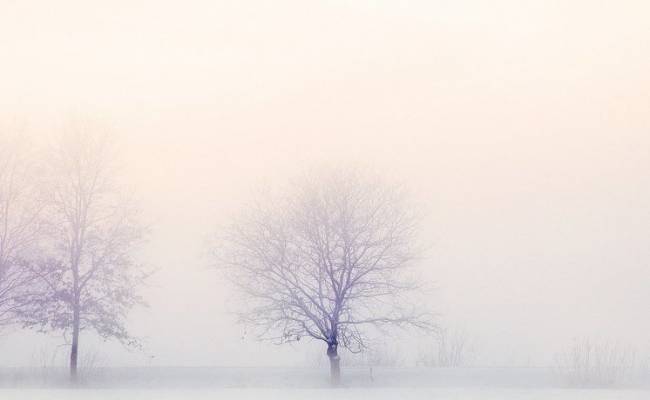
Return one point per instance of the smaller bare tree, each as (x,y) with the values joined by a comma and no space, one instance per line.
(91,274)
(324,261)
(20,225)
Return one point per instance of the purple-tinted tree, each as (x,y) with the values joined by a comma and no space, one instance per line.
(93,232)
(20,225)
(326,260)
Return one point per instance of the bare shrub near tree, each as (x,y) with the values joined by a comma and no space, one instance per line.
(452,349)
(379,354)
(589,364)
(20,226)
(93,231)
(325,260)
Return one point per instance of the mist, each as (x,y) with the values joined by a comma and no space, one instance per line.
(519,128)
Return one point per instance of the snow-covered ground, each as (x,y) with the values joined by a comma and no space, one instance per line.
(306,383)
(317,394)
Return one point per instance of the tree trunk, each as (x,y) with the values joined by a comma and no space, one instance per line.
(335,364)
(74,350)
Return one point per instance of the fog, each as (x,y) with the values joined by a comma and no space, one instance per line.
(521,128)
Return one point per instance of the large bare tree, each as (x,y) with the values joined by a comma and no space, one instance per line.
(20,224)
(326,260)
(93,233)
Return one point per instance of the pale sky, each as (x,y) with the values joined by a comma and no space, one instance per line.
(522,127)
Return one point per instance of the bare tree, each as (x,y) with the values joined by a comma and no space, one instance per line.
(20,225)
(91,275)
(325,261)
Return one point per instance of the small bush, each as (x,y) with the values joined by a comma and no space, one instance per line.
(452,348)
(588,364)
